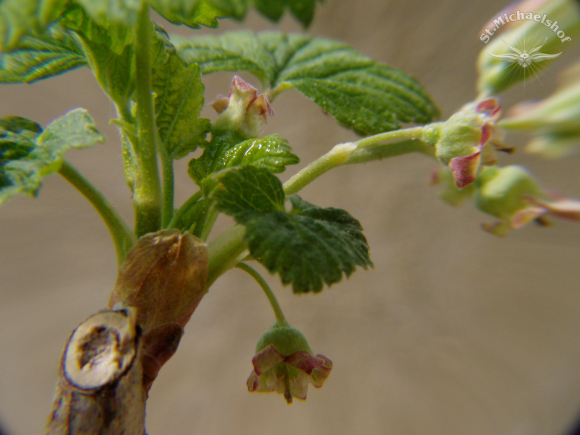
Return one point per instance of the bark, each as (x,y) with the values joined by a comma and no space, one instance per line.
(113,357)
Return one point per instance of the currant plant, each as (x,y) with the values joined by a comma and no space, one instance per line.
(166,265)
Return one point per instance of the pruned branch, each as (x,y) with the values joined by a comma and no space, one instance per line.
(113,357)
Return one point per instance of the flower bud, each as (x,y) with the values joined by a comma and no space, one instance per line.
(512,195)
(467,139)
(242,111)
(284,363)
(451,194)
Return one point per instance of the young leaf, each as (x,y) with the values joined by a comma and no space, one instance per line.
(270,152)
(362,94)
(191,217)
(231,51)
(112,11)
(193,14)
(27,155)
(247,190)
(179,99)
(303,10)
(21,17)
(38,57)
(205,12)
(308,246)
(108,51)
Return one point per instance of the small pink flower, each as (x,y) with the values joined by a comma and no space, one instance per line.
(243,109)
(468,139)
(287,374)
(511,194)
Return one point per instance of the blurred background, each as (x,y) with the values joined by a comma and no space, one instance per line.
(455,331)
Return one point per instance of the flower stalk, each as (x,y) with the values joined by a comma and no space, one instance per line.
(267,290)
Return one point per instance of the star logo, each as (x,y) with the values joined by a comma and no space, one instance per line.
(524,57)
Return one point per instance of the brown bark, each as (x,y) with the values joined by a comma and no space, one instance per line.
(113,357)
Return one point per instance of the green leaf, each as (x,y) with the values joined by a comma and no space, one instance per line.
(232,51)
(193,217)
(191,13)
(270,152)
(108,50)
(362,94)
(303,10)
(21,126)
(27,155)
(21,17)
(249,189)
(38,57)
(308,246)
(178,102)
(112,11)
(205,12)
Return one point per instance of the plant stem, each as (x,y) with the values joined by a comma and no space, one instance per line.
(147,195)
(393,149)
(267,290)
(168,189)
(122,235)
(337,156)
(342,154)
(405,133)
(225,251)
(208,225)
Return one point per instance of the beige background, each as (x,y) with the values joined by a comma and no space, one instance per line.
(454,331)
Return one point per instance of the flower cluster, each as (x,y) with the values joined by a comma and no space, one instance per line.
(512,195)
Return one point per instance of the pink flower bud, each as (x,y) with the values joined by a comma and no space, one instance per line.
(243,110)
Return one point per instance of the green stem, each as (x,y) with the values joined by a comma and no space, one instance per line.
(337,156)
(210,220)
(343,153)
(267,290)
(225,251)
(405,133)
(393,149)
(168,190)
(122,235)
(147,195)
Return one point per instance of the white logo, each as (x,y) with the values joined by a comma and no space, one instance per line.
(525,57)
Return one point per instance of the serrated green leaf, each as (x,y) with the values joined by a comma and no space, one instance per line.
(362,94)
(26,156)
(178,102)
(21,17)
(38,57)
(108,34)
(191,13)
(270,152)
(308,246)
(112,11)
(248,189)
(21,126)
(233,51)
(75,129)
